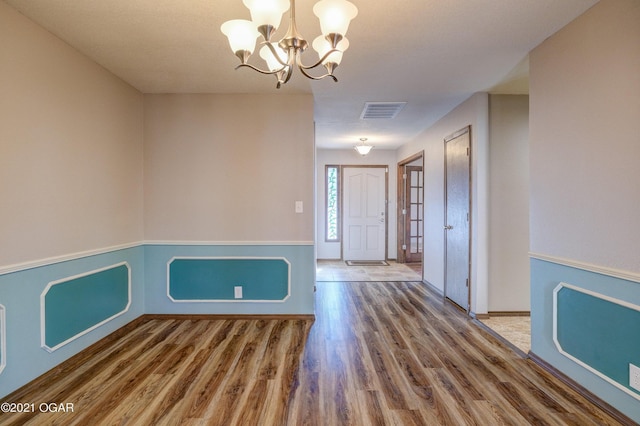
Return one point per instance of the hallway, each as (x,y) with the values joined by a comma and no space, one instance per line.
(516,330)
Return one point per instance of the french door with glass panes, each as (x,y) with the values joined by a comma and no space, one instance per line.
(413,214)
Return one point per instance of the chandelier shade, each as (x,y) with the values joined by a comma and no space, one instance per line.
(267,12)
(283,56)
(323,46)
(242,35)
(273,62)
(334,16)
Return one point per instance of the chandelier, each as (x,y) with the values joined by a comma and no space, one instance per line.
(283,56)
(363,149)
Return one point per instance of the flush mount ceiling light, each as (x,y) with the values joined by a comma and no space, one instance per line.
(281,57)
(363,149)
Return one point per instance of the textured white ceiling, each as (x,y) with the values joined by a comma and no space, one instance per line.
(431,54)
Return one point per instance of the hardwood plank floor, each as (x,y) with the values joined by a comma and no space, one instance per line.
(379,353)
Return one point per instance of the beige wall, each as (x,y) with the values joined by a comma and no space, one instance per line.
(229,168)
(70,148)
(509,203)
(475,112)
(585,139)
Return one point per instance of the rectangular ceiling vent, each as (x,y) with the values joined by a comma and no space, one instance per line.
(381,110)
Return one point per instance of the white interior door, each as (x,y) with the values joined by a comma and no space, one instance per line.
(364,213)
(457,218)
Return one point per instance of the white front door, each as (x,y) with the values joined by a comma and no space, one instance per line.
(364,215)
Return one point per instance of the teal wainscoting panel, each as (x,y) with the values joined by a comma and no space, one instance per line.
(212,279)
(582,317)
(3,339)
(73,306)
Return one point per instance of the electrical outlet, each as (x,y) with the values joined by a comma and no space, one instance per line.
(237,292)
(634,377)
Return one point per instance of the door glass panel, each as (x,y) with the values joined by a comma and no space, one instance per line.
(414,245)
(333,208)
(413,203)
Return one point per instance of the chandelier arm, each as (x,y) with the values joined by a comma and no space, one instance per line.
(303,69)
(275,54)
(306,74)
(288,75)
(261,71)
(326,55)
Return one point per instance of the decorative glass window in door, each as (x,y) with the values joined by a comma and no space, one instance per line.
(332,199)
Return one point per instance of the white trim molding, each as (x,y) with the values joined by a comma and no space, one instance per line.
(23,266)
(3,338)
(227,243)
(228,300)
(43,333)
(571,357)
(612,272)
(63,258)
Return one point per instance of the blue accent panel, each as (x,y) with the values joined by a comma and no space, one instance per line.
(300,300)
(545,277)
(78,304)
(21,292)
(615,328)
(3,357)
(214,279)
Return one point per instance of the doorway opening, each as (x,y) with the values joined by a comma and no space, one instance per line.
(353,217)
(410,201)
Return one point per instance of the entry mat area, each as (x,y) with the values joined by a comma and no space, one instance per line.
(366,263)
(337,270)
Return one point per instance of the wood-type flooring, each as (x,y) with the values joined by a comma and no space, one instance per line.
(381,353)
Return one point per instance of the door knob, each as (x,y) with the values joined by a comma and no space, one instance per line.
(447,227)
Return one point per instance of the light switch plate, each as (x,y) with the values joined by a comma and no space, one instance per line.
(237,292)
(299,207)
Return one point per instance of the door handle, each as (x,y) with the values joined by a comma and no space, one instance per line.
(448,227)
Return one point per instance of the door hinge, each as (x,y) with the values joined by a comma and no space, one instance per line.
(467,217)
(467,283)
(468,151)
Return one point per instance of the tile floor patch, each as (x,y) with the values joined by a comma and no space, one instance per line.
(337,270)
(516,330)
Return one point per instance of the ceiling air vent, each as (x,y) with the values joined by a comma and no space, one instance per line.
(381,110)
